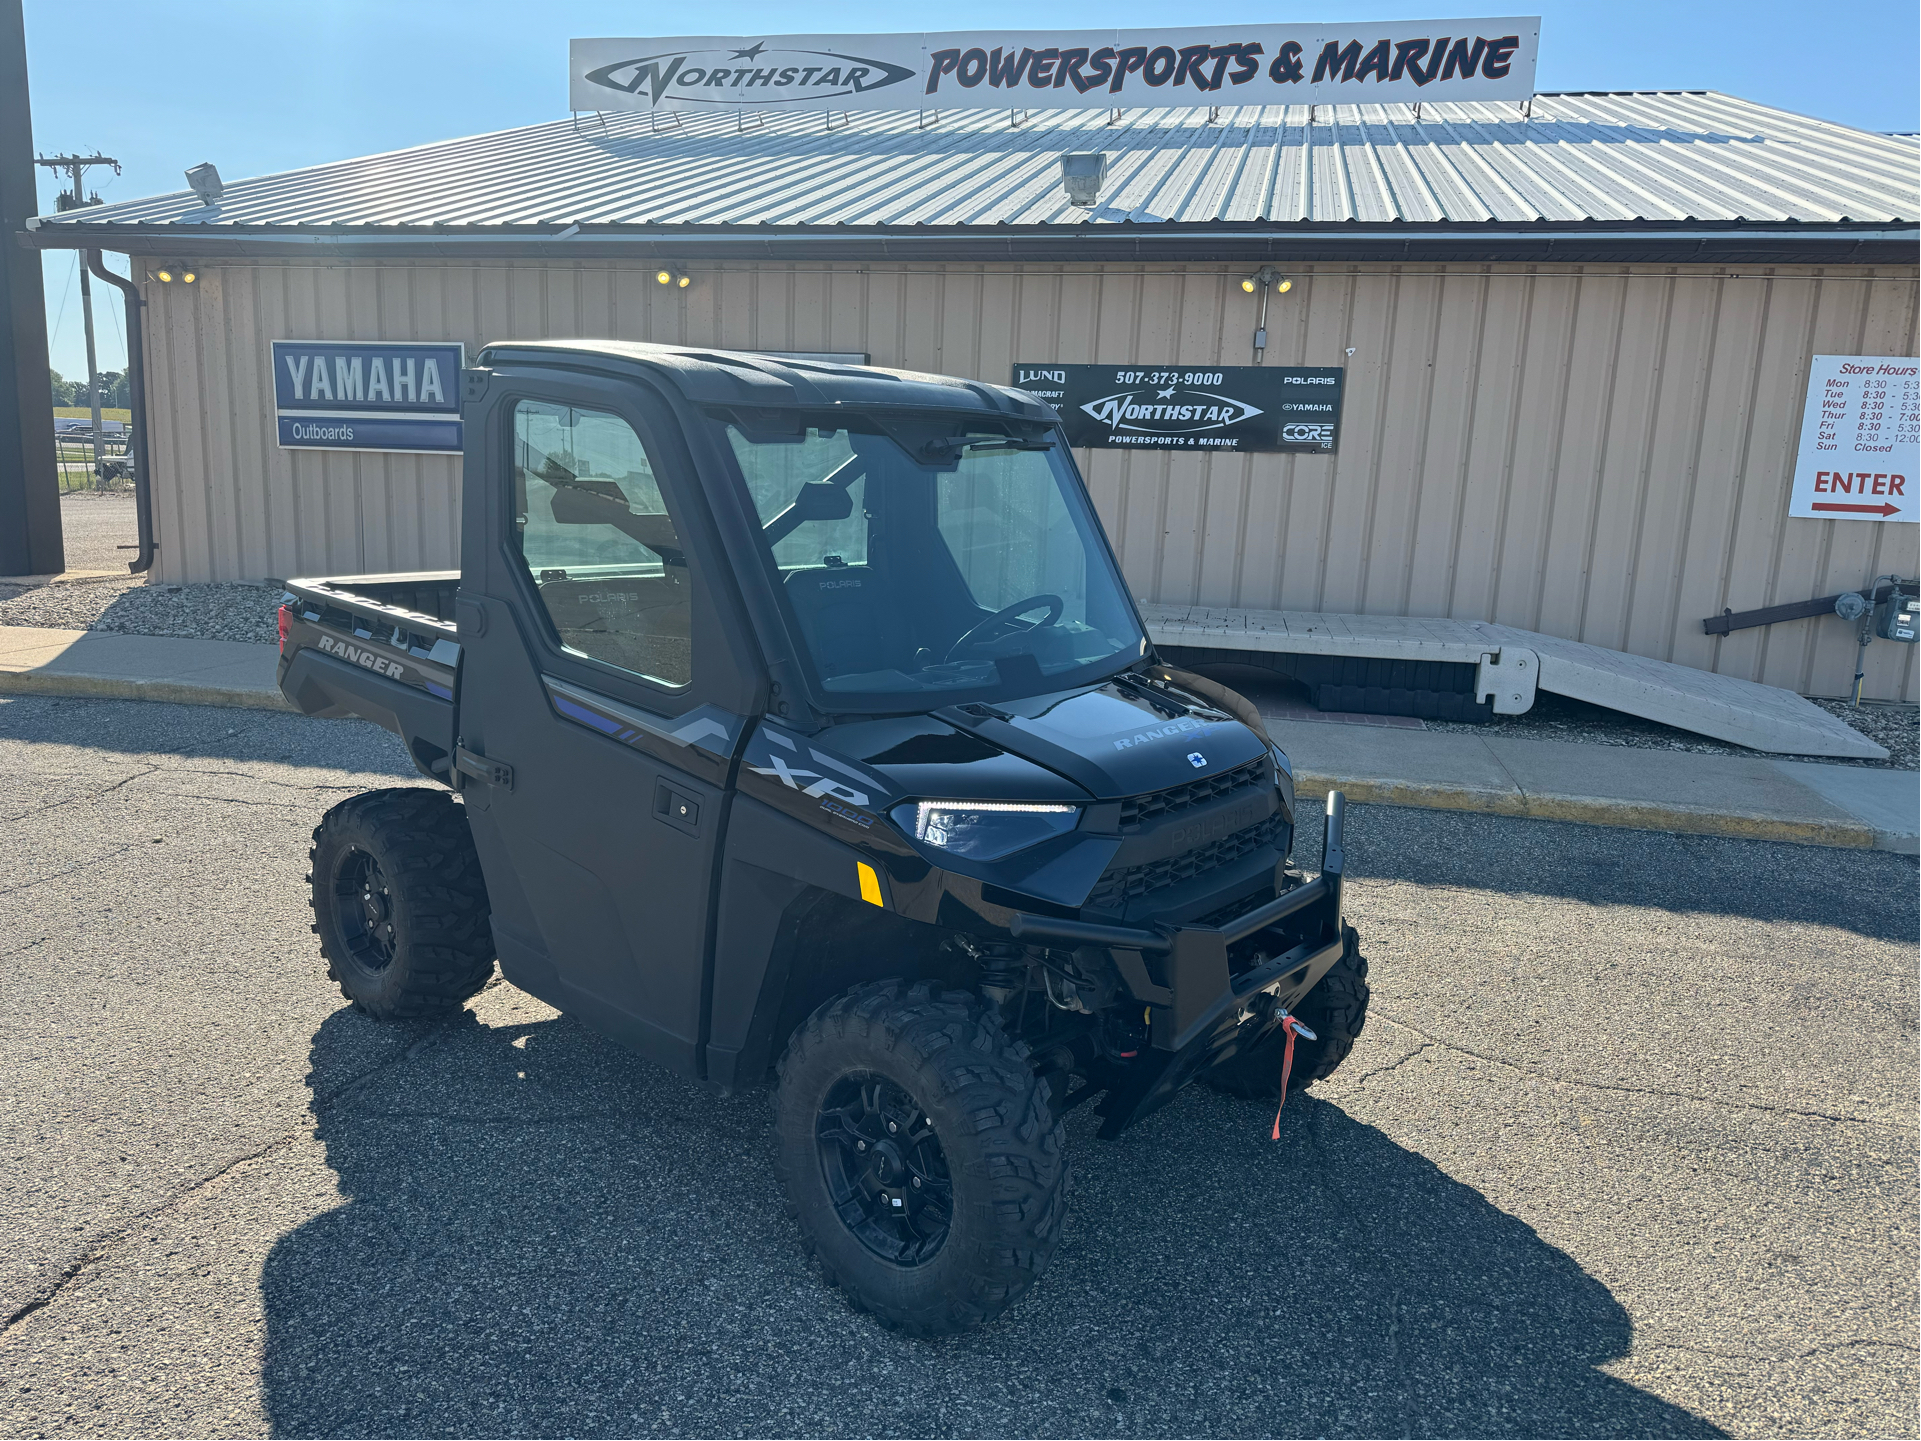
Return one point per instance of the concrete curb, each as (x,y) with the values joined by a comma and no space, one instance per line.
(1582,810)
(1600,811)
(79,685)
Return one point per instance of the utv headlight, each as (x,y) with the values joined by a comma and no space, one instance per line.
(985,830)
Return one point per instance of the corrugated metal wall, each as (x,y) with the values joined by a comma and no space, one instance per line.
(1602,453)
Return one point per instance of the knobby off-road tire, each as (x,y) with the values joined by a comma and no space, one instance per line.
(399,904)
(933,1076)
(1335,1010)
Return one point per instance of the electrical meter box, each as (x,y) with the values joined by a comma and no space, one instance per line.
(1895,618)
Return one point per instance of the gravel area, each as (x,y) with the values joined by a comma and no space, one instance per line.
(93,527)
(130,606)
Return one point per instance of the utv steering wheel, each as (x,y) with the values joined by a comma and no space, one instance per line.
(1004,618)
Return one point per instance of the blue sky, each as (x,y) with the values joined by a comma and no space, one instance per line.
(257,87)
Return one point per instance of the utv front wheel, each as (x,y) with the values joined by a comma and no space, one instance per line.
(1335,1010)
(920,1155)
(399,904)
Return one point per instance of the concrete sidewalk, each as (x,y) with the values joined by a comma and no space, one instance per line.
(1755,797)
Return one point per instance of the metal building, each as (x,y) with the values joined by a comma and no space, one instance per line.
(1576,334)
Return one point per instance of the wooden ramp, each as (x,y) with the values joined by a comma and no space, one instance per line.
(1512,664)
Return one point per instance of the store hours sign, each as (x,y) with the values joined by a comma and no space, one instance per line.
(367,395)
(1860,440)
(1168,407)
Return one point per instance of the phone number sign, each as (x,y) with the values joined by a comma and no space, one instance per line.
(1231,407)
(1860,455)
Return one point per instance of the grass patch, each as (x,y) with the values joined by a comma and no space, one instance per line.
(81,412)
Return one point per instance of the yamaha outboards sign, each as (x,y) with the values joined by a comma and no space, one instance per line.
(1229,407)
(1331,63)
(367,395)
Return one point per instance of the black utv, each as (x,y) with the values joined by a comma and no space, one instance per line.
(797,726)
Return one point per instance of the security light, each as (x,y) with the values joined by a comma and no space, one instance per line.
(677,278)
(664,277)
(682,279)
(1267,275)
(1082,175)
(187,276)
(205,183)
(168,274)
(165,277)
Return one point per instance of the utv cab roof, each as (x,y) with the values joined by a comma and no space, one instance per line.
(746,378)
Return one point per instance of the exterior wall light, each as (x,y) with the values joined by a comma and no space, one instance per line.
(1267,280)
(678,279)
(168,274)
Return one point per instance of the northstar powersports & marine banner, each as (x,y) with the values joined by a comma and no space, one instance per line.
(1399,60)
(1185,407)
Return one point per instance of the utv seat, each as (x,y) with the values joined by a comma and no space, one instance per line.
(855,624)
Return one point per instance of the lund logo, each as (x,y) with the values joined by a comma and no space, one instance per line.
(1028,377)
(752,76)
(354,654)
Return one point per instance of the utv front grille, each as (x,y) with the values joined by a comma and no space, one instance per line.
(1137,809)
(1116,888)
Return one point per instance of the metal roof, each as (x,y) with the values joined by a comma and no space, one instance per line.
(1644,161)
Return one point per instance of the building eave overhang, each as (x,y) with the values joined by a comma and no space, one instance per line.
(1638,242)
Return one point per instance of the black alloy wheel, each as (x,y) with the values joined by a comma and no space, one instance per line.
(886,1173)
(399,903)
(364,910)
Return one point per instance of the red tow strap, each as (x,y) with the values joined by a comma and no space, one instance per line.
(1290,1027)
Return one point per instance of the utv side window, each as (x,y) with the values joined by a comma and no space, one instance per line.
(598,541)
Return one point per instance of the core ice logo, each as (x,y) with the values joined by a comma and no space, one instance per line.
(751,76)
(1316,434)
(1173,410)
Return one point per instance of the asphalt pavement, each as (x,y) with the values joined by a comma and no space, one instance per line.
(1628,1149)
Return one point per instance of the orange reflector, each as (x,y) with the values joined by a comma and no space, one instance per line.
(869,884)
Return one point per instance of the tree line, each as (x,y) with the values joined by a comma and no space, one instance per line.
(113,390)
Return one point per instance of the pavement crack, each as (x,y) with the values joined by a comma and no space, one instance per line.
(1777,1110)
(109,1241)
(1366,1076)
(67,871)
(1772,1357)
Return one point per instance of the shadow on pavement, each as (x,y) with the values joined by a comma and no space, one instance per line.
(542,1235)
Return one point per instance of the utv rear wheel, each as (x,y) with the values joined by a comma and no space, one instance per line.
(1335,1010)
(920,1155)
(399,904)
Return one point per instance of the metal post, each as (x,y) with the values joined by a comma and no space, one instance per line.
(93,373)
(29,472)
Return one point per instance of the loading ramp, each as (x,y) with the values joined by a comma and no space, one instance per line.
(1509,667)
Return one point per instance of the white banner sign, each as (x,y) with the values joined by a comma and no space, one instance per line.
(1400,60)
(1860,440)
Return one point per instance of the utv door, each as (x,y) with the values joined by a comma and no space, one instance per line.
(601,687)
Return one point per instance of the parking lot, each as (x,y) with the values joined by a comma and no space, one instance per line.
(1628,1149)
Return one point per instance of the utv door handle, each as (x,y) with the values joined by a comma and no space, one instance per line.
(494,773)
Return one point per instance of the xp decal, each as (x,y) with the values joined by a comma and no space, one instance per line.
(1232,407)
(1400,60)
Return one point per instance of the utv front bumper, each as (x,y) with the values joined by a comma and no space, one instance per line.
(1201,1007)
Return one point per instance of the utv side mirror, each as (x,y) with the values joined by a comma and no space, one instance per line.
(816,500)
(588,502)
(601,502)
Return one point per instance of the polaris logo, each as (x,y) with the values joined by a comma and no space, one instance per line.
(354,655)
(751,75)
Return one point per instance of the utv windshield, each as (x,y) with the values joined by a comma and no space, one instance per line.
(923,559)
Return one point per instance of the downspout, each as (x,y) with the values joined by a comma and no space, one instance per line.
(137,403)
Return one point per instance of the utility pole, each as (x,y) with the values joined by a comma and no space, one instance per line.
(30,542)
(76,168)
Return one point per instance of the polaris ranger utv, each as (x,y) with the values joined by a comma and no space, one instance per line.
(797,726)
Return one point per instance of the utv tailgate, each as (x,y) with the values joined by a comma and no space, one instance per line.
(358,646)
